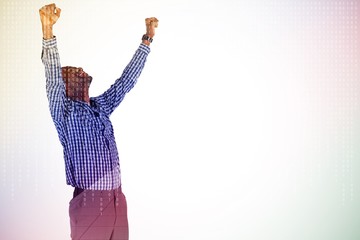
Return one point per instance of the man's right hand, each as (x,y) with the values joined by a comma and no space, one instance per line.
(49,14)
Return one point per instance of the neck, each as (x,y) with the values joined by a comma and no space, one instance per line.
(82,96)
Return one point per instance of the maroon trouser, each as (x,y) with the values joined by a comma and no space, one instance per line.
(98,214)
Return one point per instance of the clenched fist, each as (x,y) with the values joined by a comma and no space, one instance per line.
(49,14)
(151,24)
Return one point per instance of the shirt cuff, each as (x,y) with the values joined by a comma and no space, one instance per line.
(49,43)
(143,47)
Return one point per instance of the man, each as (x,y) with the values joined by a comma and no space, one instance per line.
(98,209)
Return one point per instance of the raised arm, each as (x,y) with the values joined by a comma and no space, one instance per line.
(55,87)
(111,98)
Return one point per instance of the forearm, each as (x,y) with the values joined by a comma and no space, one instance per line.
(55,87)
(112,97)
(51,60)
(133,70)
(47,32)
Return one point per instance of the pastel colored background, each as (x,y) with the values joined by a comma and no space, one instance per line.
(245,123)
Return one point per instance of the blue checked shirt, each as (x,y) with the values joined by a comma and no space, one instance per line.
(85,131)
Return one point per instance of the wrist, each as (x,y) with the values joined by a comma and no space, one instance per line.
(147,39)
(147,43)
(48,36)
(46,27)
(47,32)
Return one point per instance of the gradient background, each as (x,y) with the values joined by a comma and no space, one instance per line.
(243,125)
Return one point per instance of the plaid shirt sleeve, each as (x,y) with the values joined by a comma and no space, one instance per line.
(55,87)
(111,98)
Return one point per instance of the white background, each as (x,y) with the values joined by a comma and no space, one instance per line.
(241,126)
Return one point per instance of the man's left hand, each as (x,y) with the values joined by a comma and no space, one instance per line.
(151,24)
